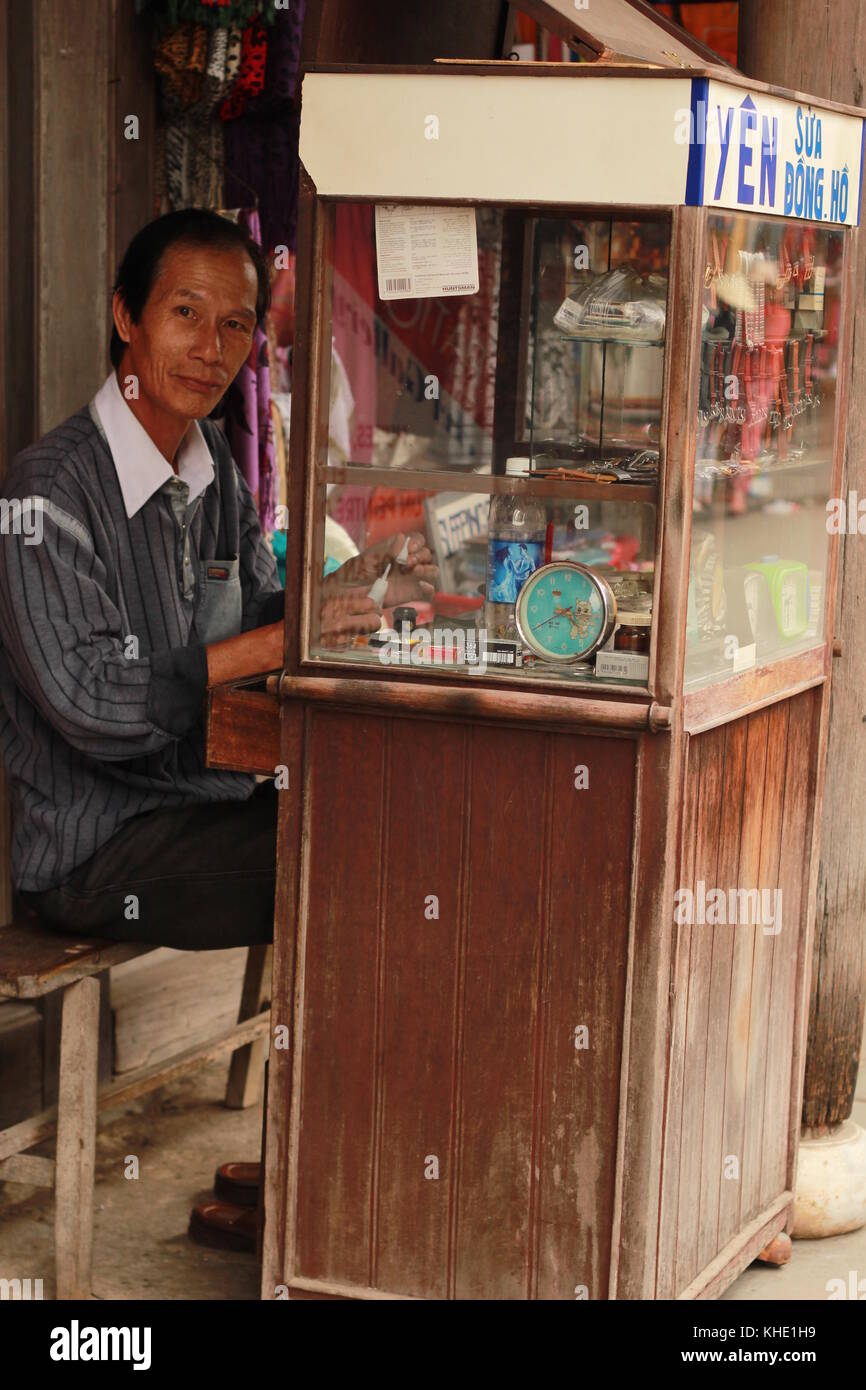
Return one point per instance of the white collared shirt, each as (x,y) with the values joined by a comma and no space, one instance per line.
(141,468)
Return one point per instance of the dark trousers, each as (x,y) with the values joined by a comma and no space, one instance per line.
(199,878)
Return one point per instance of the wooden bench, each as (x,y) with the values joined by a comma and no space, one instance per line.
(34,961)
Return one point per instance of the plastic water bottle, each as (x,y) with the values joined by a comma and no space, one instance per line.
(516,528)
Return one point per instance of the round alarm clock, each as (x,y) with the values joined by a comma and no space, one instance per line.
(565,612)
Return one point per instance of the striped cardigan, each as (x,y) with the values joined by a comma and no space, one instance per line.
(95,727)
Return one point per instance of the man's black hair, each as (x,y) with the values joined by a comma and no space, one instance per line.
(192,227)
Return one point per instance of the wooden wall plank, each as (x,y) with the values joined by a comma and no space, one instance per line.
(679,994)
(584,984)
(819,709)
(427,768)
(5,339)
(697,1016)
(336,29)
(795,838)
(72,49)
(736,1076)
(283,1065)
(19,415)
(720,993)
(761,1024)
(502,995)
(340,977)
(17,214)
(131,190)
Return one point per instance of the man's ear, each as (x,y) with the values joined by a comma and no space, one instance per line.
(121,315)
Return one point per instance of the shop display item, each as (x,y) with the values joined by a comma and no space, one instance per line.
(565,612)
(632,667)
(620,304)
(379,587)
(633,634)
(515,549)
(788,585)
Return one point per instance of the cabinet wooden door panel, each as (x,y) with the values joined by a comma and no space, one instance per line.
(460,996)
(747,825)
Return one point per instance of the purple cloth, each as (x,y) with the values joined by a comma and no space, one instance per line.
(248,422)
(261,146)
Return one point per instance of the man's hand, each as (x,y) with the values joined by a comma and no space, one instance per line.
(345,614)
(414,579)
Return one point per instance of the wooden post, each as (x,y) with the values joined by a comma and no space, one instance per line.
(824,52)
(5,807)
(246,1072)
(76,1139)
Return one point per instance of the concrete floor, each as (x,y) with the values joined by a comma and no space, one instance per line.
(141,1249)
(179,1135)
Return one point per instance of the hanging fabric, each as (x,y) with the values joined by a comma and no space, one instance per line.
(247,422)
(261,144)
(179,59)
(197,67)
(251,77)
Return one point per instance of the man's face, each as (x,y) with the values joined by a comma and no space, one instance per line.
(195,330)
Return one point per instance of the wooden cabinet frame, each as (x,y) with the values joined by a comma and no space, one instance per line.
(701,1028)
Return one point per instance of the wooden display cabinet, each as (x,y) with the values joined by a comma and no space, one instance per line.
(521,1063)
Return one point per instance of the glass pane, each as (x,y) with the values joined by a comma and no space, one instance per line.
(764,456)
(597,346)
(413,380)
(560,352)
(494,434)
(444,602)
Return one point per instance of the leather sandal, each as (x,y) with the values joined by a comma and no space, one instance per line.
(224,1226)
(238,1183)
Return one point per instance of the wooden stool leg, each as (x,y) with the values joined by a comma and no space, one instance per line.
(244,1086)
(76,1138)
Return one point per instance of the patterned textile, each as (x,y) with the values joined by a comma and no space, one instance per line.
(180,58)
(191,139)
(248,424)
(251,78)
(261,146)
(234,49)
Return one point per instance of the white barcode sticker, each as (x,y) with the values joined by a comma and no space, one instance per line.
(425,252)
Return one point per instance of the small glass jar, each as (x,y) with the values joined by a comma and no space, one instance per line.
(633,633)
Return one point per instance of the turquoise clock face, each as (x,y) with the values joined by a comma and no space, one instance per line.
(565,612)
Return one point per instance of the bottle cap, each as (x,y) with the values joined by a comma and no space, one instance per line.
(517,467)
(405,615)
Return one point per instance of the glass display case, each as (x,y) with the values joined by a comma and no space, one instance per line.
(507,431)
(765,436)
(567,419)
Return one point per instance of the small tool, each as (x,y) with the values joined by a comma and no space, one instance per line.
(377,589)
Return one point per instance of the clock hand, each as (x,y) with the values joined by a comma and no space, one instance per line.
(555,619)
